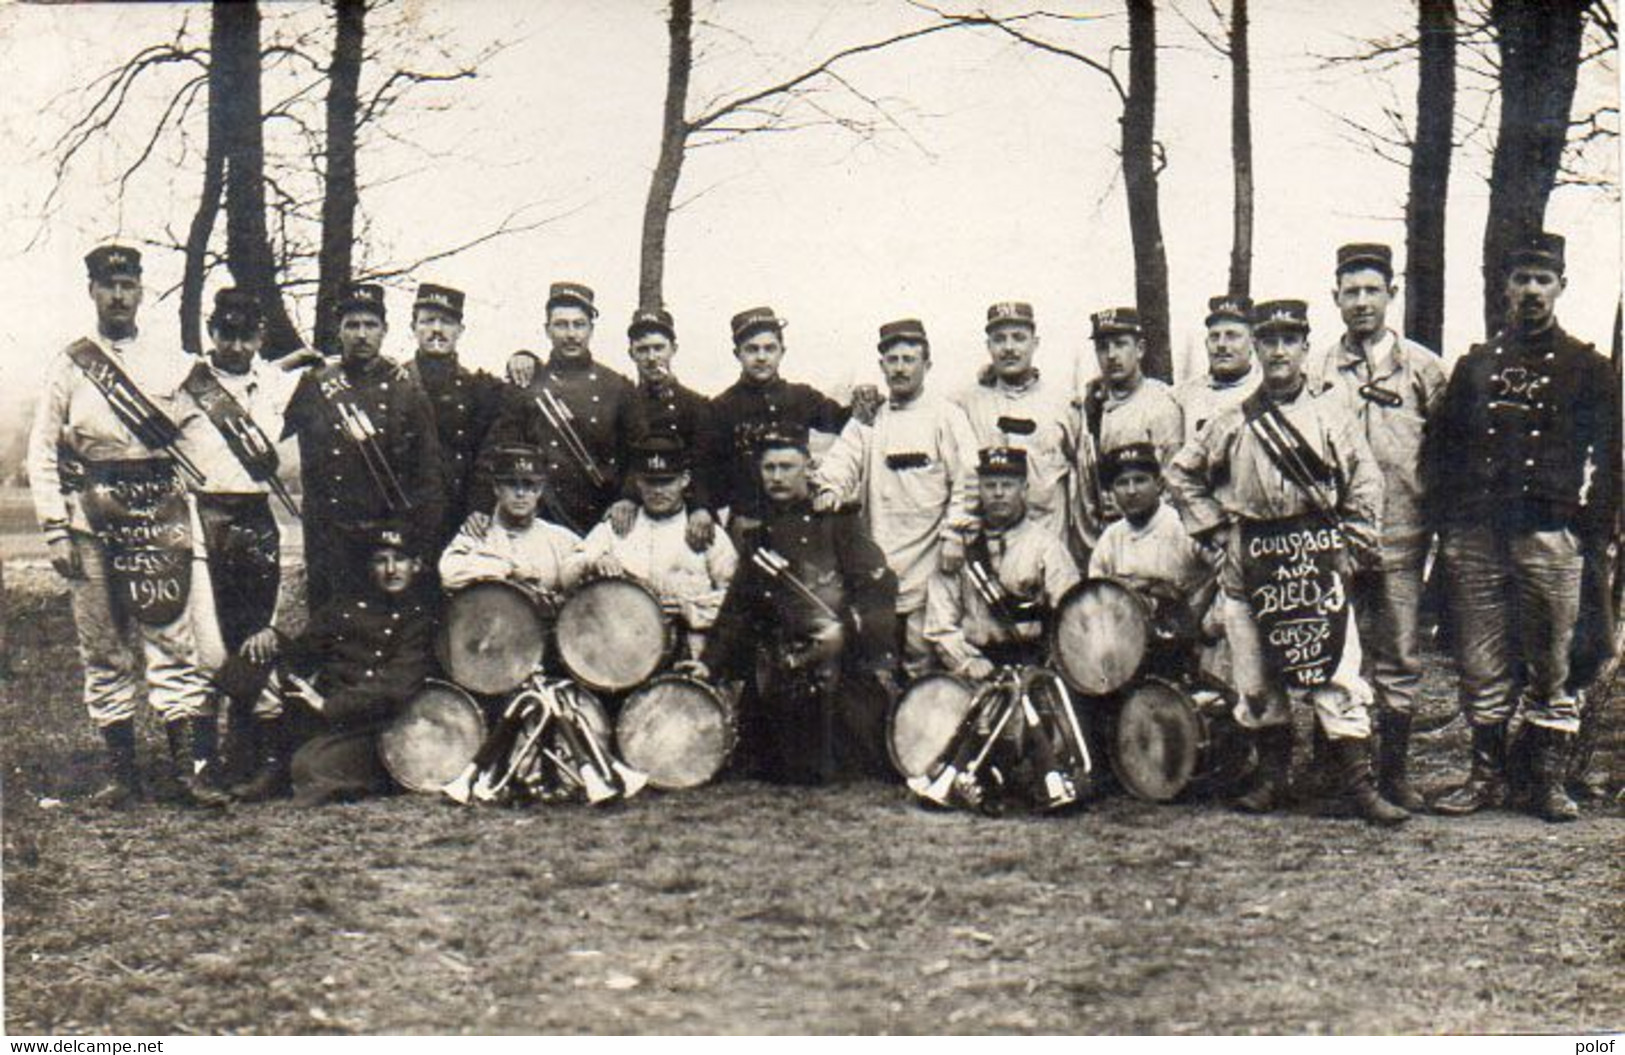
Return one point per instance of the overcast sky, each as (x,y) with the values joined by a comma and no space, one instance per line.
(1004,184)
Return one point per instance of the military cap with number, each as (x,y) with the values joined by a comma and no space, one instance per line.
(778,435)
(516,461)
(752,321)
(572,294)
(1001,461)
(236,311)
(659,457)
(1281,315)
(1129,456)
(387,535)
(651,320)
(1543,249)
(1239,309)
(362,296)
(105,261)
(1010,312)
(441,298)
(1114,321)
(911,330)
(1372,255)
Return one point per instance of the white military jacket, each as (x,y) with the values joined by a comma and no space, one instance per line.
(485,548)
(656,553)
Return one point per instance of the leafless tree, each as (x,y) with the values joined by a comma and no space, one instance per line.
(1234,45)
(1425,209)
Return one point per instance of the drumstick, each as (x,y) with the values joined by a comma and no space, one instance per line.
(779,568)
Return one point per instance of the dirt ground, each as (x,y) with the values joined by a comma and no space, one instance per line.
(743,908)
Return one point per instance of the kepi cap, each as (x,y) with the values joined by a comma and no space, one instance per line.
(236,311)
(1542,248)
(752,321)
(572,293)
(1281,315)
(1114,321)
(1129,456)
(651,320)
(912,330)
(781,434)
(1365,254)
(1001,461)
(362,296)
(659,458)
(105,261)
(442,298)
(517,461)
(1239,309)
(1010,312)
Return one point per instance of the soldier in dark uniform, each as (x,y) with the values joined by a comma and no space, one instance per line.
(760,401)
(464,402)
(810,621)
(1522,471)
(660,406)
(572,409)
(364,657)
(367,451)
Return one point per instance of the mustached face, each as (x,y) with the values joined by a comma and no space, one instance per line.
(569,328)
(784,474)
(436,332)
(361,337)
(1531,294)
(117,299)
(1011,348)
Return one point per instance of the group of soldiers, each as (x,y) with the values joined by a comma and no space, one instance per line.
(934,532)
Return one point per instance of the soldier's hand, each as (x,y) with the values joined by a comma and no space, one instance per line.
(825,502)
(978,669)
(262,647)
(65,559)
(951,556)
(693,668)
(610,565)
(521,369)
(304,357)
(866,401)
(621,516)
(702,530)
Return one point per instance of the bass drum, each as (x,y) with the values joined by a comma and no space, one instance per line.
(612,635)
(677,729)
(1168,741)
(1099,637)
(433,738)
(493,637)
(923,723)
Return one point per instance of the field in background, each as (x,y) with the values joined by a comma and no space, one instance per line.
(746,908)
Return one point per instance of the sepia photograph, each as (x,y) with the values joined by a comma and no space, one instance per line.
(811,517)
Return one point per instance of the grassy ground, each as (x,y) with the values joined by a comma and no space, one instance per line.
(741,908)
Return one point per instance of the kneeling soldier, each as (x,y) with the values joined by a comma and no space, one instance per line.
(655,549)
(511,542)
(367,656)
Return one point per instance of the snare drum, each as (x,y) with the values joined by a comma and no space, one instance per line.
(612,635)
(677,729)
(1168,741)
(1099,637)
(493,637)
(433,738)
(923,723)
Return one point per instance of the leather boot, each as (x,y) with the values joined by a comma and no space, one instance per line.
(1274,764)
(123,787)
(1551,798)
(1353,760)
(1393,761)
(191,756)
(1486,784)
(270,777)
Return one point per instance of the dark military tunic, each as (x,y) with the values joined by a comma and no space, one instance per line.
(741,414)
(341,497)
(367,656)
(810,724)
(465,404)
(597,398)
(670,409)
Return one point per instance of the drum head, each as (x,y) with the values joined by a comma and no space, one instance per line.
(1159,742)
(612,635)
(675,729)
(1100,636)
(433,738)
(925,720)
(492,638)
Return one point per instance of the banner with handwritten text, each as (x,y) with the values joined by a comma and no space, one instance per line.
(1298,598)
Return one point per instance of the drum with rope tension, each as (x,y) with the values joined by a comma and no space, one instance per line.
(612,635)
(433,738)
(493,637)
(1168,740)
(677,729)
(1099,636)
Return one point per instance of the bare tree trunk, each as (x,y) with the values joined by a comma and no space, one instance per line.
(341,195)
(669,167)
(1540,62)
(1140,181)
(202,226)
(235,87)
(1430,173)
(1241,152)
